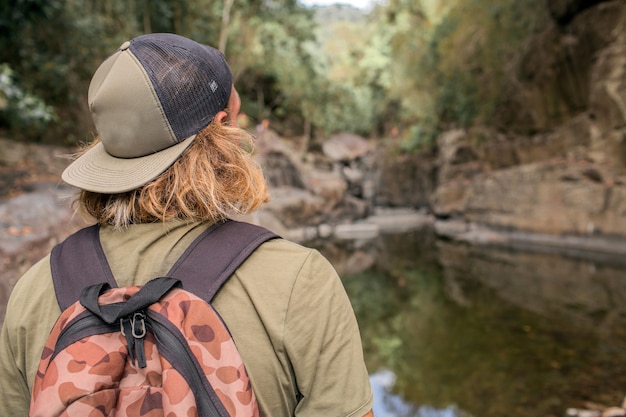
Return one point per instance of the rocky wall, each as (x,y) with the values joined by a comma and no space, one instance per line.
(569,178)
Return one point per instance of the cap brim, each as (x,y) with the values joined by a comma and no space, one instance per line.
(99,172)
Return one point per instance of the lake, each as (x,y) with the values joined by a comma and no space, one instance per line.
(454,330)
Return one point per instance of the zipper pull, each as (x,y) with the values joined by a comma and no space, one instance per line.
(139,332)
(134,329)
(127,331)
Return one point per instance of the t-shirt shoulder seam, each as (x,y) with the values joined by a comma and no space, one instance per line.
(291,291)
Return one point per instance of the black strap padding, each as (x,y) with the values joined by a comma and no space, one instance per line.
(79,261)
(209,262)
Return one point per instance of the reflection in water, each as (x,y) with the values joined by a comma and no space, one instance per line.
(387,404)
(486,332)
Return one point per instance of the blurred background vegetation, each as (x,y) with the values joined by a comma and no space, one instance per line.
(406,69)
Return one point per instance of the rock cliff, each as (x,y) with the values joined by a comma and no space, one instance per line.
(567,175)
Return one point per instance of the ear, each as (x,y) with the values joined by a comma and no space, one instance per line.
(221,116)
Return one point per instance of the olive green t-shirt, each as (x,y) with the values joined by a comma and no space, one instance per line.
(285,307)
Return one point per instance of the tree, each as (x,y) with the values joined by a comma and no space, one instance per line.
(454,62)
(419,66)
(228,4)
(53,46)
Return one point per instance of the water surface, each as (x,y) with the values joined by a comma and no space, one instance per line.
(453,330)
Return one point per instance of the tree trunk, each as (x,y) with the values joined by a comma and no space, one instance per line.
(228,4)
(147,27)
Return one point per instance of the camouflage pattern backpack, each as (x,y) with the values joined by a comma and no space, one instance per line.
(153,350)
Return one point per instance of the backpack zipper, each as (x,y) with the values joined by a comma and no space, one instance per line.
(171,344)
(85,324)
(174,347)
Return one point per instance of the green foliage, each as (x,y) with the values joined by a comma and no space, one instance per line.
(415,66)
(455,62)
(54,46)
(418,137)
(272,63)
(472,54)
(19,109)
(351,78)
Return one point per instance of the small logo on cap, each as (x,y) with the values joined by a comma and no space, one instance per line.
(213,86)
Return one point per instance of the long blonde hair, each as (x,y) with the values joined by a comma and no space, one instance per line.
(216,177)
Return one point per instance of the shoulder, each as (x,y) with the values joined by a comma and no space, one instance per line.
(284,264)
(284,250)
(31,312)
(282,280)
(282,253)
(34,286)
(274,276)
(32,303)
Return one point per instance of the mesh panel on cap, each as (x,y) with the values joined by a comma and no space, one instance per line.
(192,81)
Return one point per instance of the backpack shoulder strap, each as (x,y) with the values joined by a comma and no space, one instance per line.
(78,262)
(213,257)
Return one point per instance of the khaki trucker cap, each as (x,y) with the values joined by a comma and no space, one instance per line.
(148,101)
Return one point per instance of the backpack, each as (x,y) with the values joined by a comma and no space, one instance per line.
(153,350)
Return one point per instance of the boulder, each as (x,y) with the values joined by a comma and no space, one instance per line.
(558,197)
(295,207)
(30,225)
(345,147)
(405,180)
(329,186)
